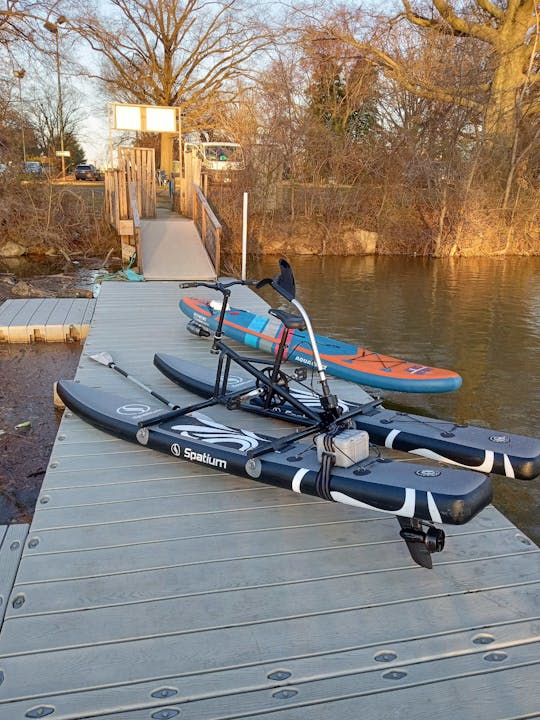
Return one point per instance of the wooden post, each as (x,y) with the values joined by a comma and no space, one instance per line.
(136,225)
(167,153)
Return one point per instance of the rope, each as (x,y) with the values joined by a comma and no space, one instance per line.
(123,274)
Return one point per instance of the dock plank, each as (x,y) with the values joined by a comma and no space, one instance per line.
(12,539)
(145,581)
(435,699)
(288,546)
(351,668)
(265,571)
(313,583)
(20,329)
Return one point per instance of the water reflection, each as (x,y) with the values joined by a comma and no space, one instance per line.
(478,316)
(28,266)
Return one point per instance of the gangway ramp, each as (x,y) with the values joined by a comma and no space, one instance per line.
(172,250)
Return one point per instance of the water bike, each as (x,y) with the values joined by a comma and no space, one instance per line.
(337,465)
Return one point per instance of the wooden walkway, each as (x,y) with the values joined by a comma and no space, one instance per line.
(45,319)
(151,588)
(172,250)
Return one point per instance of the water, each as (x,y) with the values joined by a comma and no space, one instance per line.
(26,400)
(32,266)
(478,316)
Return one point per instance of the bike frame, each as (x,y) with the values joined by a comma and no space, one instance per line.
(315,421)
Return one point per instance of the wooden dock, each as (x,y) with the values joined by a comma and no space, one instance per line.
(152,588)
(45,319)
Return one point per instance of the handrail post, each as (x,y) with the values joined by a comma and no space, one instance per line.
(244,234)
(136,225)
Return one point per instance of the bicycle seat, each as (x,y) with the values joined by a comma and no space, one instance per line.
(291,322)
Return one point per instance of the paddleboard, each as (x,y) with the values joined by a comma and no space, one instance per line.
(340,359)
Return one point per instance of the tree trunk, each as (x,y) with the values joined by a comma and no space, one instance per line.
(513,55)
(501,119)
(166,153)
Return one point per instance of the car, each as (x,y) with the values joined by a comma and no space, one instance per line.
(33,168)
(87,172)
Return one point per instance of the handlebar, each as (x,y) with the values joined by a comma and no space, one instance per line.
(222,287)
(283,283)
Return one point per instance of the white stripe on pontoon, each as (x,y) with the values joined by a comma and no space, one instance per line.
(406,510)
(508,469)
(433,509)
(297,479)
(391,437)
(486,466)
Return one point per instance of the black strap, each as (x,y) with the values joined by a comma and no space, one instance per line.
(324,476)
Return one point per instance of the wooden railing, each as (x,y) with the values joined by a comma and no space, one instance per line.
(136,228)
(131,189)
(208,225)
(139,167)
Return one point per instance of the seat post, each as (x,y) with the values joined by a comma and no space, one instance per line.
(280,353)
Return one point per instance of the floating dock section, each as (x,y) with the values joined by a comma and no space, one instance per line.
(150,588)
(45,319)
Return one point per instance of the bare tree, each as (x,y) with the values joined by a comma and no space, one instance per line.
(501,36)
(22,24)
(44,115)
(509,32)
(168,52)
(18,21)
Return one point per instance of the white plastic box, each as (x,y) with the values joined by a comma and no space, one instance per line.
(350,446)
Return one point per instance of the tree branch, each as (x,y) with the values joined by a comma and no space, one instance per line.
(395,70)
(491,9)
(451,23)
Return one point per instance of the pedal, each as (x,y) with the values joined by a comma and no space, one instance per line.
(300,374)
(236,403)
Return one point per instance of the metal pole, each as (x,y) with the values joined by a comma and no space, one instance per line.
(60,107)
(244,235)
(110,117)
(19,74)
(54,28)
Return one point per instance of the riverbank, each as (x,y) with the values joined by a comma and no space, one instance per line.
(28,420)
(332,220)
(39,277)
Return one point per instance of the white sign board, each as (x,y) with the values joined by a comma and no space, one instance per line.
(145,118)
(63,153)
(127,117)
(161,119)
